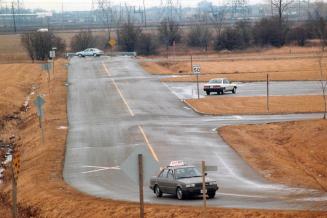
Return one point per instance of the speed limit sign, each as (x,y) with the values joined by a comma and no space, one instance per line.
(196,69)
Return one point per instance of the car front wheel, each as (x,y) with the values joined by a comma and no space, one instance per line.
(179,194)
(234,90)
(157,191)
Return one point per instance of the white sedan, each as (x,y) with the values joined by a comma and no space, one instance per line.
(219,85)
(90,52)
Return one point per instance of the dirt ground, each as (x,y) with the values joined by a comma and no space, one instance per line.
(42,191)
(279,64)
(292,153)
(257,105)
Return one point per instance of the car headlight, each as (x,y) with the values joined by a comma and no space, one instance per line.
(213,183)
(190,185)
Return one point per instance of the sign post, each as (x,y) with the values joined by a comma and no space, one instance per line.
(15,167)
(204,190)
(39,102)
(52,56)
(140,164)
(197,72)
(267,92)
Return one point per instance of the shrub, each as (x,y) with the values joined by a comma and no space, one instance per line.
(147,44)
(82,41)
(169,32)
(39,44)
(268,31)
(297,34)
(199,36)
(128,37)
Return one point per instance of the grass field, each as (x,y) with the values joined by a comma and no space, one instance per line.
(257,105)
(293,153)
(280,64)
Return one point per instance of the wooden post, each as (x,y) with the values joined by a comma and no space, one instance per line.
(204,189)
(14,193)
(191,63)
(197,85)
(267,92)
(140,164)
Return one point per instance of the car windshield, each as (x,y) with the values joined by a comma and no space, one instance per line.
(187,172)
(215,81)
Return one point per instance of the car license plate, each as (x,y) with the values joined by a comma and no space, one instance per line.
(202,191)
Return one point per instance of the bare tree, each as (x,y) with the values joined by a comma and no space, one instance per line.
(323,79)
(38,44)
(83,40)
(106,14)
(320,25)
(281,6)
(218,17)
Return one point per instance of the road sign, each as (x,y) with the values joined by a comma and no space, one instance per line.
(39,102)
(52,54)
(150,165)
(196,69)
(112,42)
(16,164)
(209,168)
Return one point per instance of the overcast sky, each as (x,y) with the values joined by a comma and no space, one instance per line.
(69,5)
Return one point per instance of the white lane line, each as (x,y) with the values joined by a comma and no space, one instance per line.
(132,114)
(149,145)
(118,90)
(165,84)
(98,168)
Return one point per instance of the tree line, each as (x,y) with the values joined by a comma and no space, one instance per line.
(272,31)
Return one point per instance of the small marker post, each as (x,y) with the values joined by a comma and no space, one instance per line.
(140,166)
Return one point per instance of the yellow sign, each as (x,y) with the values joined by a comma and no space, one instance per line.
(16,164)
(112,42)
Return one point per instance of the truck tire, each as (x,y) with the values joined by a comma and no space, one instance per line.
(234,90)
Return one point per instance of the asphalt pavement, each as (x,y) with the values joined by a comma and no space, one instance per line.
(188,90)
(114,107)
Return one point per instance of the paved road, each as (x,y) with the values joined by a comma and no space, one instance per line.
(111,99)
(189,90)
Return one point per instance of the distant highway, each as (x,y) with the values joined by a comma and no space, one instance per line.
(111,98)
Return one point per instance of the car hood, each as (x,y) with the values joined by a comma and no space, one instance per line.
(195,180)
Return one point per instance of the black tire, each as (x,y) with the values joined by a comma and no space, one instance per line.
(208,93)
(95,55)
(222,92)
(179,193)
(234,90)
(157,191)
(212,194)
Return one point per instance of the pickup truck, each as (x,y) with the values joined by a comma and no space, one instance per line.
(219,85)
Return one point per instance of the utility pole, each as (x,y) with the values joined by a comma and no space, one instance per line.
(144,11)
(13,16)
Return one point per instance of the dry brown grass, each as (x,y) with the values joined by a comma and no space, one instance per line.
(301,64)
(292,153)
(41,185)
(257,105)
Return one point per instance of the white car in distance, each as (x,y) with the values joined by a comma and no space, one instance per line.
(219,85)
(90,52)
